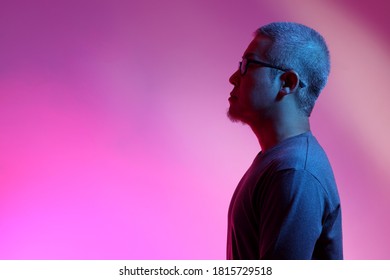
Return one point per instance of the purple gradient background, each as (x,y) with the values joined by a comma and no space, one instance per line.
(114,141)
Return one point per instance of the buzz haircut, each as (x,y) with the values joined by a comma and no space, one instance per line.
(302,49)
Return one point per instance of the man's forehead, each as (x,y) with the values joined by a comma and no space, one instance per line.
(258,47)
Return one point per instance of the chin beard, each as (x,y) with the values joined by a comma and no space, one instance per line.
(233,118)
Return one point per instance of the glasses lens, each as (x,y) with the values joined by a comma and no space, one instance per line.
(243,65)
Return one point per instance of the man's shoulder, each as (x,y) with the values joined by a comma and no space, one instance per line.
(293,153)
(302,157)
(301,152)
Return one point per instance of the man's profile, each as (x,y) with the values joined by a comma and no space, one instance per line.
(286,205)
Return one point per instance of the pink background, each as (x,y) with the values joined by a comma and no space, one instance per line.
(114,140)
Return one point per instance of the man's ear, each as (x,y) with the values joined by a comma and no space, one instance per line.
(289,82)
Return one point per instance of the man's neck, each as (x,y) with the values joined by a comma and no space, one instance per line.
(273,133)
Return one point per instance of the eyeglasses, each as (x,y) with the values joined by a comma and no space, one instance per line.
(243,66)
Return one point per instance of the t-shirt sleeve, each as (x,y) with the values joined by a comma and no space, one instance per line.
(291,215)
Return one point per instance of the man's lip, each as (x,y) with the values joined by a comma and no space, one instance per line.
(232,97)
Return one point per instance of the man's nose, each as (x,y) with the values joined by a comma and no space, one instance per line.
(235,78)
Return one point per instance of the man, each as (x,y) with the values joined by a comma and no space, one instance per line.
(286,206)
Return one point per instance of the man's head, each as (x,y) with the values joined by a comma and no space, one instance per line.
(296,65)
(296,46)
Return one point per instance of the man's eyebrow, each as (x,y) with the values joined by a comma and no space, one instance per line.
(249,55)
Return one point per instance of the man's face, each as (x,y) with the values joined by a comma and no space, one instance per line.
(255,92)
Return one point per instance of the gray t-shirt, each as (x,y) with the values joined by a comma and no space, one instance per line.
(286,206)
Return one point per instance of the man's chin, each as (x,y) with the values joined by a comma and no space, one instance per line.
(233,117)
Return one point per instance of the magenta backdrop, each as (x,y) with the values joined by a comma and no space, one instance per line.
(114,142)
